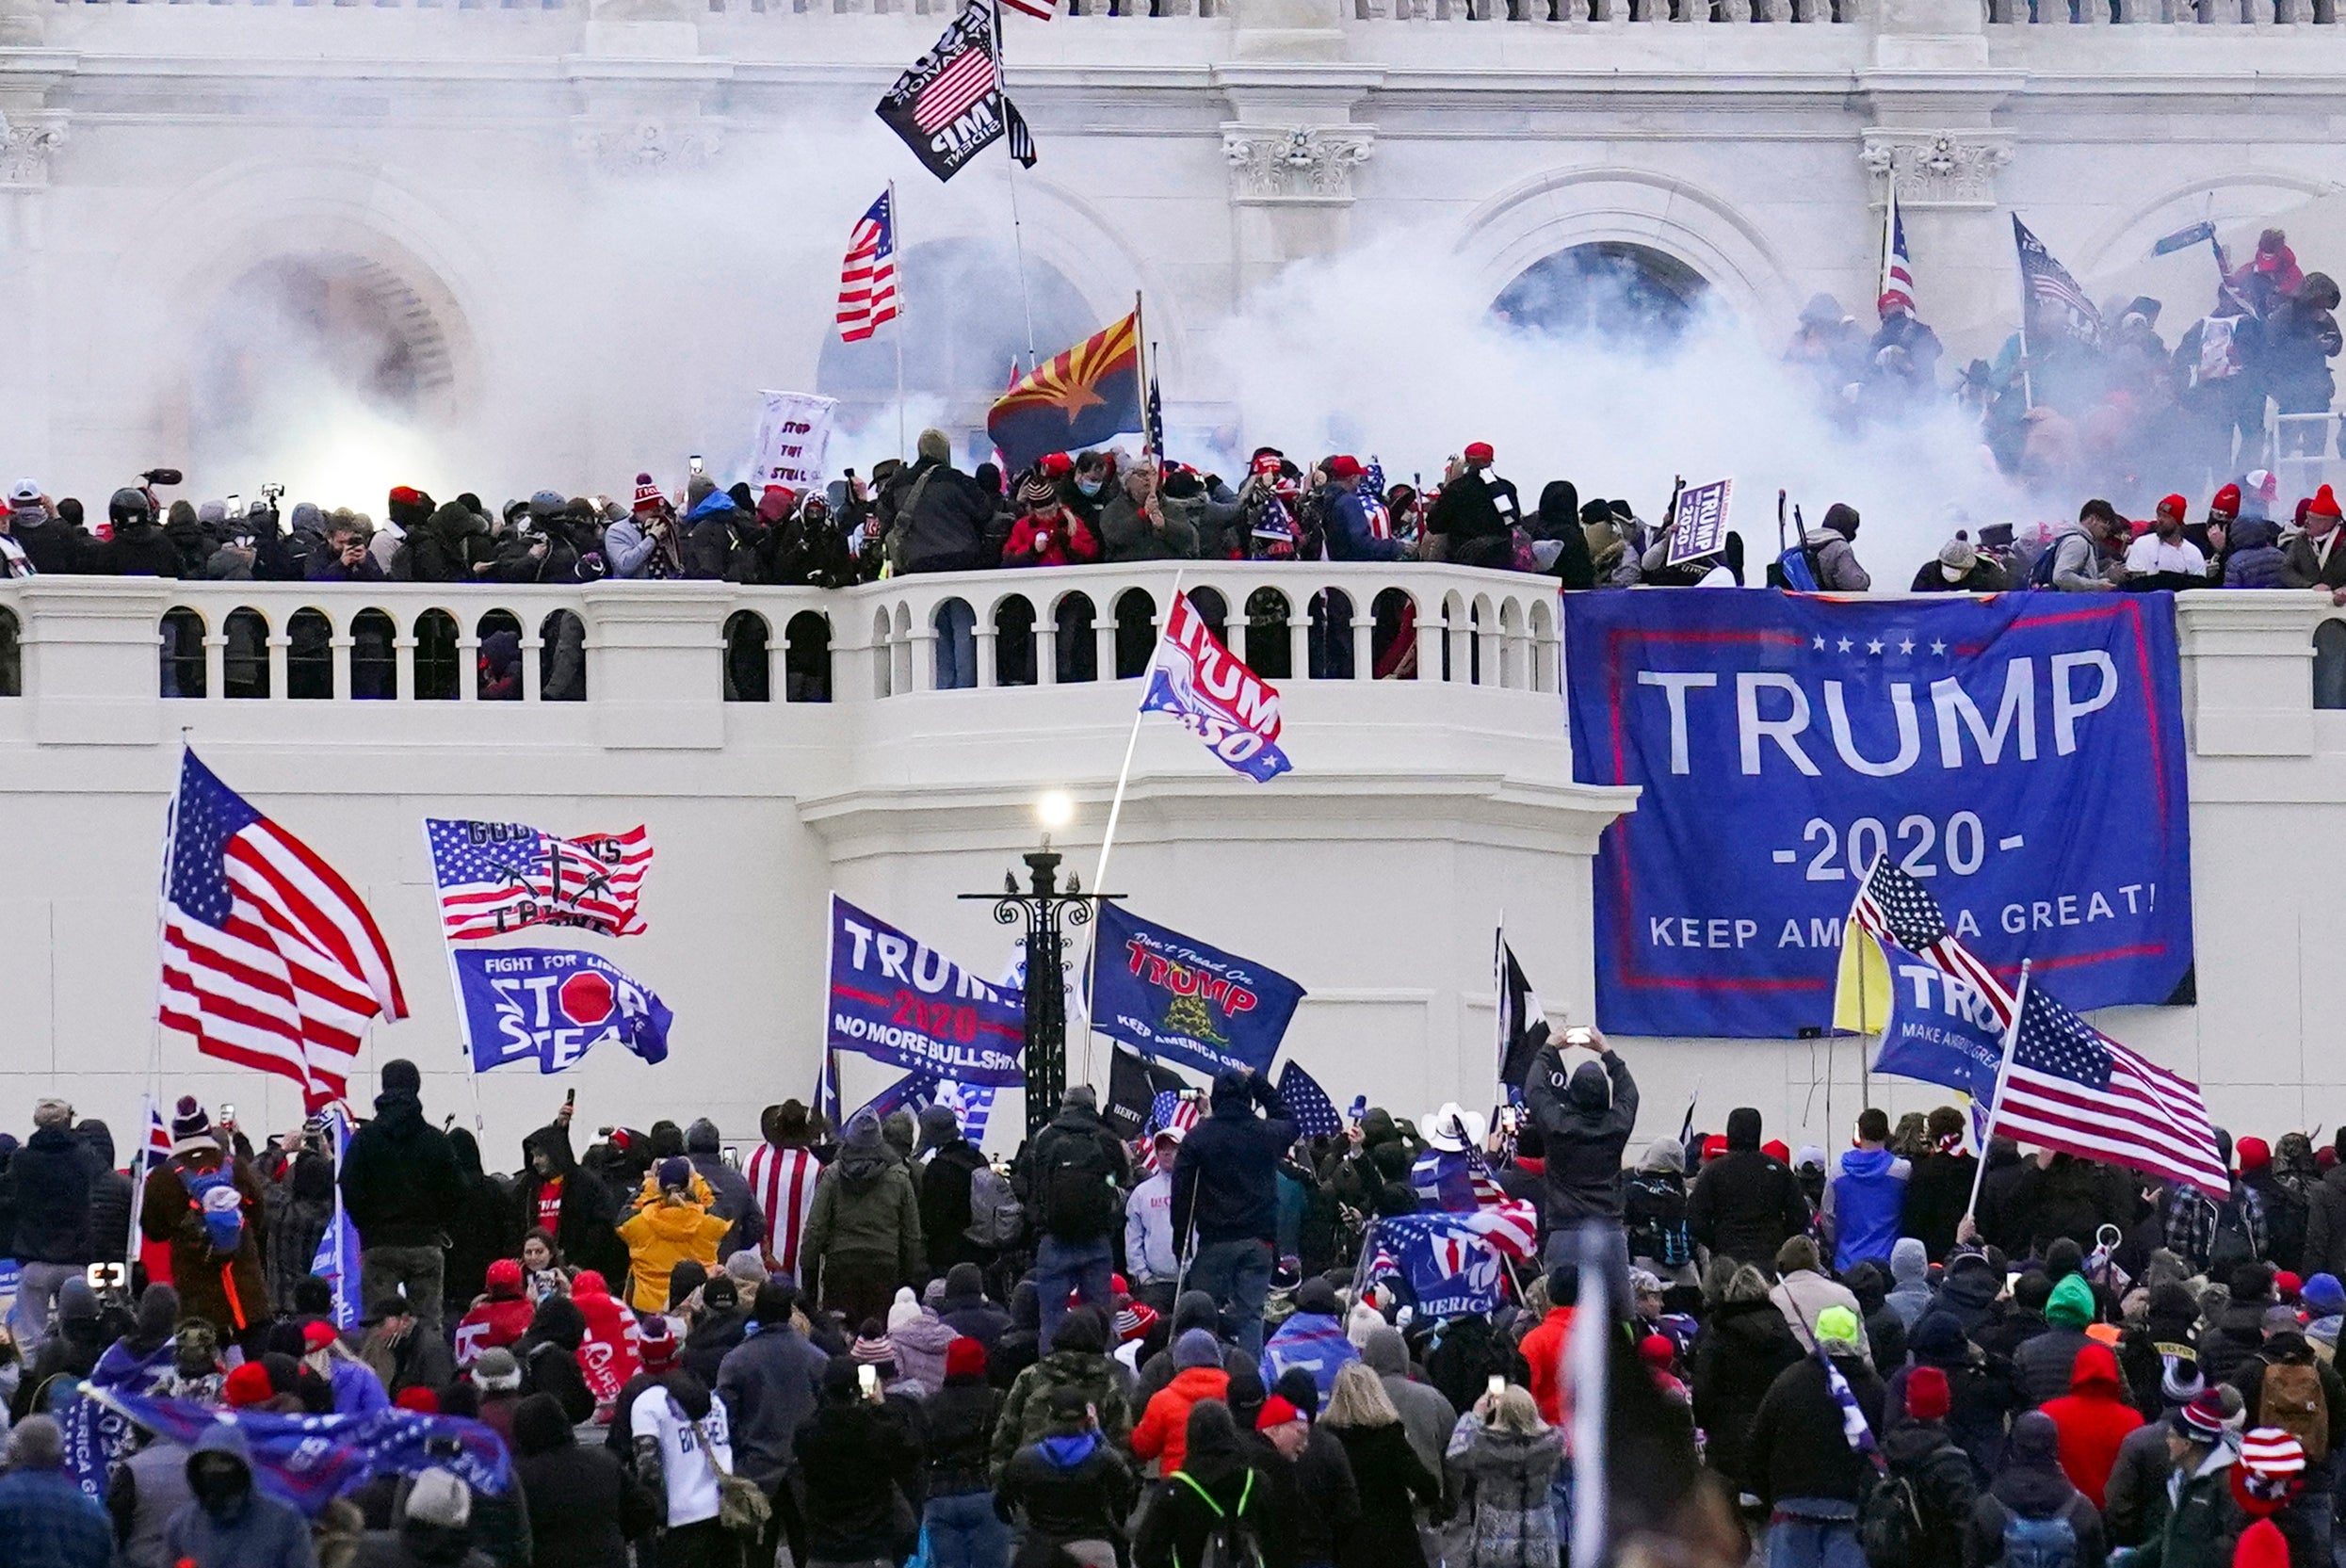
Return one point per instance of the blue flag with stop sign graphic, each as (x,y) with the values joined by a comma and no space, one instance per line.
(551,1006)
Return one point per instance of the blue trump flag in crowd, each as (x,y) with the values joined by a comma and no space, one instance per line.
(1940,1027)
(308,1461)
(1234,711)
(551,1006)
(336,1260)
(1435,1263)
(897,999)
(2022,756)
(1173,997)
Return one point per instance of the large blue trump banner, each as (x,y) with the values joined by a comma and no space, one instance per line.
(897,999)
(2022,756)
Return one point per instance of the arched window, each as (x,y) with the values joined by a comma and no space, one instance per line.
(1331,648)
(807,657)
(310,656)
(182,652)
(244,668)
(1212,609)
(955,625)
(2329,664)
(1270,653)
(882,655)
(1393,636)
(1610,290)
(1078,652)
(1136,632)
(1013,641)
(374,662)
(500,658)
(562,658)
(746,677)
(436,668)
(12,657)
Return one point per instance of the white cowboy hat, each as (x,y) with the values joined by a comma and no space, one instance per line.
(1454,1129)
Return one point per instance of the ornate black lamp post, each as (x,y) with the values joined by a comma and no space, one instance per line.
(1046,911)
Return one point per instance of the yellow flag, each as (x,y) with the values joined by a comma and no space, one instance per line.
(1861,995)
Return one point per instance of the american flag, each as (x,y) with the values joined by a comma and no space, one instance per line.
(269,957)
(1021,136)
(158,1135)
(2069,1087)
(2047,283)
(868,276)
(969,78)
(1894,904)
(783,1182)
(971,1105)
(1898,277)
(1171,1109)
(1042,10)
(498,876)
(1456,1181)
(1315,1114)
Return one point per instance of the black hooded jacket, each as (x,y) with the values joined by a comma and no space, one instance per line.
(549,1357)
(1559,518)
(1226,1177)
(584,1231)
(2032,1485)
(1745,1203)
(109,1192)
(1584,1122)
(51,1180)
(400,1185)
(483,1230)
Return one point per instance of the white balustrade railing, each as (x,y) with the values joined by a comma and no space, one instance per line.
(411,643)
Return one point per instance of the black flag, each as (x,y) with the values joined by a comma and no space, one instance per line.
(949,107)
(1022,140)
(1133,1085)
(1522,1025)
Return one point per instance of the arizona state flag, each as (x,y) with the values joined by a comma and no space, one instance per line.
(1079,398)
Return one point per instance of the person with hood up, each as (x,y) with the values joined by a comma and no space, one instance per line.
(111,1190)
(1079,1360)
(965,1309)
(404,1352)
(215,1253)
(1744,1343)
(230,1524)
(1886,1332)
(1799,1462)
(1745,1203)
(1653,1212)
(143,1356)
(771,1383)
(1226,1198)
(1192,1309)
(549,1357)
(2032,1513)
(555,1194)
(1503,1461)
(1557,522)
(1216,1485)
(1076,1171)
(2093,1420)
(1919,1451)
(2201,1521)
(451,546)
(1866,1199)
(958,1419)
(856,1456)
(583,1506)
(49,1183)
(1829,551)
(733,1201)
(952,1162)
(499,1318)
(46,1521)
(783,1173)
(1427,1415)
(671,1229)
(863,1233)
(1804,1294)
(1585,1117)
(1070,1488)
(402,1189)
(2235,1333)
(1162,1432)
(1910,1276)
(298,1206)
(483,1229)
(1312,1339)
(2045,1364)
(921,1340)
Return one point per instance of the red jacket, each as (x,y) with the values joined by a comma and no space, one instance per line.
(2093,1418)
(1072,543)
(1163,1432)
(497,1321)
(1544,1350)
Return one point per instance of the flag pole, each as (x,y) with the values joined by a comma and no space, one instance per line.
(456,994)
(896,236)
(2028,390)
(1018,241)
(1108,839)
(1140,363)
(154,1059)
(2003,1066)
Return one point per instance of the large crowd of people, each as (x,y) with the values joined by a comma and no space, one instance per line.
(868,1342)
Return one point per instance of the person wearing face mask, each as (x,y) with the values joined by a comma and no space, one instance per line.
(1085,487)
(230,1524)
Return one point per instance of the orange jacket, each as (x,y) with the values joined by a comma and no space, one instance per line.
(1544,1350)
(2093,1418)
(1164,1429)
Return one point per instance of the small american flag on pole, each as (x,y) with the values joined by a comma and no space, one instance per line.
(1893,904)
(270,960)
(2067,1086)
(498,876)
(1898,276)
(2051,295)
(1313,1113)
(867,275)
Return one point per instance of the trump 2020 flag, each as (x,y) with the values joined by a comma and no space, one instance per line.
(897,999)
(500,877)
(1442,1267)
(336,1260)
(1215,696)
(949,107)
(551,1006)
(1175,997)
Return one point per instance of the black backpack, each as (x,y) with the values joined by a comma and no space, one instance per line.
(1078,1186)
(1656,1211)
(1890,1522)
(1232,1542)
(2233,1243)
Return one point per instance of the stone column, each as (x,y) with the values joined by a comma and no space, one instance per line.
(642,88)
(1291,144)
(31,134)
(1934,101)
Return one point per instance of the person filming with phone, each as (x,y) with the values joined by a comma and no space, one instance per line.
(1585,1115)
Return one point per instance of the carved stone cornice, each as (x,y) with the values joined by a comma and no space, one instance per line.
(1938,168)
(647,145)
(27,142)
(1302,164)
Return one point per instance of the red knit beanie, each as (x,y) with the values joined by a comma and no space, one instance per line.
(1926,1394)
(423,1401)
(965,1358)
(248,1385)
